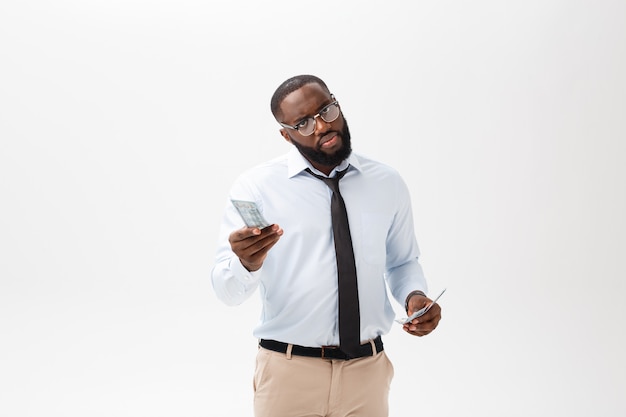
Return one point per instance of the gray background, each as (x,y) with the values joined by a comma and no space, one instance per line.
(123,124)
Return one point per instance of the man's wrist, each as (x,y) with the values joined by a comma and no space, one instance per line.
(408,297)
(250,267)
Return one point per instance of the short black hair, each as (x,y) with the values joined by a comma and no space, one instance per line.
(291,85)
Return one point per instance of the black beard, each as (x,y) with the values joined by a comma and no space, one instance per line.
(317,156)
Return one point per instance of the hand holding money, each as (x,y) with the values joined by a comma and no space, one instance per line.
(424,315)
(251,244)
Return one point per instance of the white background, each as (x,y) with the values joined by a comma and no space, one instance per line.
(123,124)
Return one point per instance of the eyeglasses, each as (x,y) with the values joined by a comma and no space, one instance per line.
(306,126)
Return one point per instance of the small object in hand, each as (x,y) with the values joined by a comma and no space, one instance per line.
(249,212)
(421,311)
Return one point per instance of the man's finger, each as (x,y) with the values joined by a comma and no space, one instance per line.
(244,233)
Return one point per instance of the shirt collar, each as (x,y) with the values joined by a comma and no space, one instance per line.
(297,163)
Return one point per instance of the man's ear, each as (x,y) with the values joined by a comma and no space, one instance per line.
(285,134)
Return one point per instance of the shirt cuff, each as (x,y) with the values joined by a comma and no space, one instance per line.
(243,275)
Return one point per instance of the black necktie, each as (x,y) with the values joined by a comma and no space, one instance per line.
(349,317)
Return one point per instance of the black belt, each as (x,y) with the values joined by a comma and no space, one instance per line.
(324,352)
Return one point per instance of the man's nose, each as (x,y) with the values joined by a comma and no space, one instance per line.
(321,125)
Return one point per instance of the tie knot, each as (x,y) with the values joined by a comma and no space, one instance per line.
(333,182)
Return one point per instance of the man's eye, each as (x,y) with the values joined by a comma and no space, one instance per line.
(325,110)
(303,123)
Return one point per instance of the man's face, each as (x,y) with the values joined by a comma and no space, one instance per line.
(329,144)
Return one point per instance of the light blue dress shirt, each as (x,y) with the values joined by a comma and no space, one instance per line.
(298,280)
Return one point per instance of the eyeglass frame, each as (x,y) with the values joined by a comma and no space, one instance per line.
(314,117)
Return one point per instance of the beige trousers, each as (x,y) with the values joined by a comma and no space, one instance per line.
(298,386)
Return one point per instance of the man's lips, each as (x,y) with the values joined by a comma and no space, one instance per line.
(328,140)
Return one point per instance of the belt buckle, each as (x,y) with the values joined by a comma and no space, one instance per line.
(329,348)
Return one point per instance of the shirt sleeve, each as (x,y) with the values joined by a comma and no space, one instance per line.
(232,282)
(406,278)
(404,273)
